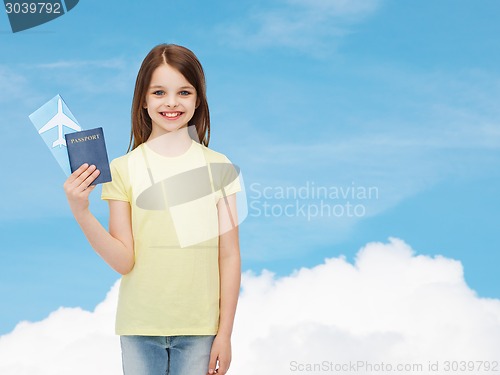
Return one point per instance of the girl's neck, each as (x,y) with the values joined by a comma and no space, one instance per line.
(170,144)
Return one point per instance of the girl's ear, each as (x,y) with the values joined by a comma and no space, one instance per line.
(197,103)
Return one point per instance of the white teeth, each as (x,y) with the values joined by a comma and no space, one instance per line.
(171,114)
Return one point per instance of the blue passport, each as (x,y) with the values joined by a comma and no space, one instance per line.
(88,146)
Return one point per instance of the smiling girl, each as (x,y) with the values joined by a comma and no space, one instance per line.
(172,232)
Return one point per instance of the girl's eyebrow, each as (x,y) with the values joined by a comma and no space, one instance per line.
(180,88)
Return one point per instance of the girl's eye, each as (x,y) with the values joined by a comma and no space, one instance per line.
(184,93)
(158,92)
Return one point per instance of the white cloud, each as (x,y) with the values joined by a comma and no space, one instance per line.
(89,76)
(391,306)
(338,7)
(68,341)
(298,24)
(115,63)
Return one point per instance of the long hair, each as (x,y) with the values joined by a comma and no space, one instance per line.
(186,62)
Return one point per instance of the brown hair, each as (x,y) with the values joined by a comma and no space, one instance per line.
(185,61)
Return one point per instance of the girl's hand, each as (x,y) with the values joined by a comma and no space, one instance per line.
(221,353)
(77,187)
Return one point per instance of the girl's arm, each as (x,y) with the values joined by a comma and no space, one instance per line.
(230,278)
(116,246)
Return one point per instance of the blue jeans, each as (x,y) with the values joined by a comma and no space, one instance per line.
(166,355)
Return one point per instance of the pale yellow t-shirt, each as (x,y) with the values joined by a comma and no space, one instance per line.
(173,288)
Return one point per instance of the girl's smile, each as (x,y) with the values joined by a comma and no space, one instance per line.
(171,115)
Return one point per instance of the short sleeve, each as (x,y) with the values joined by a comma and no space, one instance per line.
(227,178)
(119,186)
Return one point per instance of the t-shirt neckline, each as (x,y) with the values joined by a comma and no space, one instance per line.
(151,151)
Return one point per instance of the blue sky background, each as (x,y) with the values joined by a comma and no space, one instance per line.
(397,95)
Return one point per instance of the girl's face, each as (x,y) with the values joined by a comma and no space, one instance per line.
(170,100)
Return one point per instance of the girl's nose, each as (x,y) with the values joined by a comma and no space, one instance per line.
(171,101)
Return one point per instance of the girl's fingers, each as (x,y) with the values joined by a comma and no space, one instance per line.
(81,179)
(77,173)
(212,363)
(90,178)
(81,182)
(77,177)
